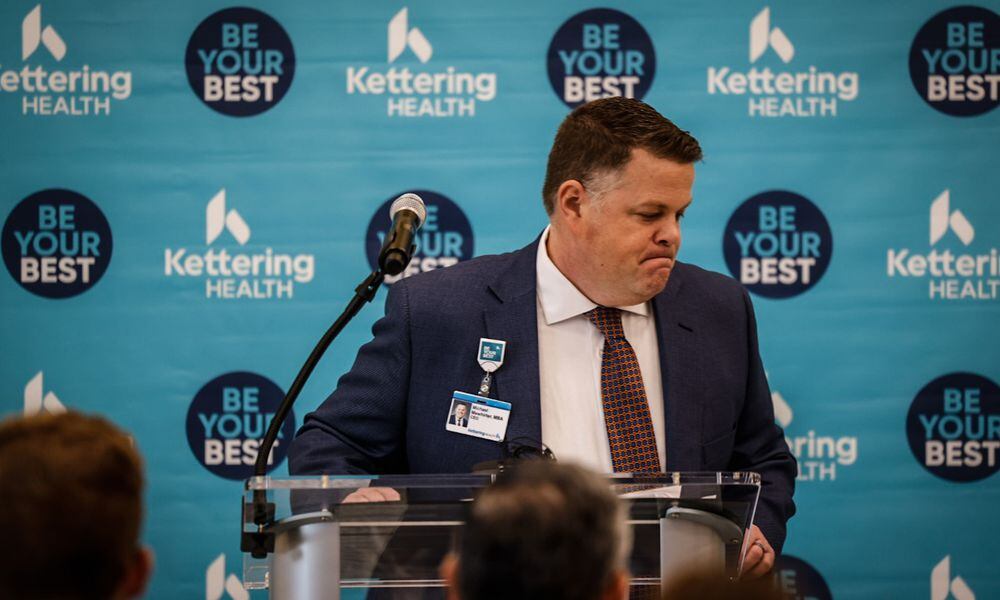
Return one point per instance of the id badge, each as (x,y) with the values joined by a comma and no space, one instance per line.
(478,416)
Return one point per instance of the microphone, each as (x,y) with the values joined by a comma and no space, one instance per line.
(407,214)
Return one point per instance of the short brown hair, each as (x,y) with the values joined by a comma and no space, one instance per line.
(70,506)
(599,136)
(543,531)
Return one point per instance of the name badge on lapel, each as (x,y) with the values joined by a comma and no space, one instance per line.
(478,416)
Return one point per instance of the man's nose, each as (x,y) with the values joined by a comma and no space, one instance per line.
(669,233)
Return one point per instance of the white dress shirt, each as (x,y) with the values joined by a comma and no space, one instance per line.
(569,368)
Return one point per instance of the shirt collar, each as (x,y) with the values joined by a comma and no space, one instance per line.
(559,298)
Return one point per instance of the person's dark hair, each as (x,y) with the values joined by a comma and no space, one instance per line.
(544,530)
(70,507)
(598,137)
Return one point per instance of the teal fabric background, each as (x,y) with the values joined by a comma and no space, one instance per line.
(847,356)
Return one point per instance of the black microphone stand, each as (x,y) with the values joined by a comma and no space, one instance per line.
(261,542)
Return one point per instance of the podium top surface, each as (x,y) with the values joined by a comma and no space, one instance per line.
(477,480)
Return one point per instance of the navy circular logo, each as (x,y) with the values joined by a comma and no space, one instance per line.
(954,427)
(778,244)
(56,243)
(240,62)
(444,239)
(600,53)
(227,419)
(798,580)
(955,61)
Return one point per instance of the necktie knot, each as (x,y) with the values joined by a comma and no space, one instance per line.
(608,321)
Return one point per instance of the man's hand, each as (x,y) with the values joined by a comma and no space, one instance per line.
(759,556)
(372,494)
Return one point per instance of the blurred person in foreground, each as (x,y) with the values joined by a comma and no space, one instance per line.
(544,530)
(71,492)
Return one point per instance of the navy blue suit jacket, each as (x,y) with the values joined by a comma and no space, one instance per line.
(388,413)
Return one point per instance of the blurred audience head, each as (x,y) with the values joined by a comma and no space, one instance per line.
(544,530)
(71,498)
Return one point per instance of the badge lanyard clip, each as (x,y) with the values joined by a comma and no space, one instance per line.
(490,357)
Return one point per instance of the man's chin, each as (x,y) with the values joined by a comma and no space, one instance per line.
(653,286)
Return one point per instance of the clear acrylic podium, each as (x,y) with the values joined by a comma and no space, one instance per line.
(329,537)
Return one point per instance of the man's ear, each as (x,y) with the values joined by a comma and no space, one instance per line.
(570,196)
(137,574)
(449,572)
(618,587)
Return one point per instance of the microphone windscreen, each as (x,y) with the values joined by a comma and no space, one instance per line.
(411,202)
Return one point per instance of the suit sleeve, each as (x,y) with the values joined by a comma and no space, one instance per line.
(359,428)
(760,445)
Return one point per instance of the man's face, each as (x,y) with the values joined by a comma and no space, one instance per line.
(628,239)
(460,411)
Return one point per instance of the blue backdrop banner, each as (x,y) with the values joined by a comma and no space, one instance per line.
(190,193)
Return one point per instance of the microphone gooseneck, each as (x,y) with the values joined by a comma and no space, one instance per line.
(407,214)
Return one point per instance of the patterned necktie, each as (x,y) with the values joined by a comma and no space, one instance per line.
(626,410)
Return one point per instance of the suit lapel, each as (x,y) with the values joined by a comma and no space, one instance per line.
(680,369)
(514,319)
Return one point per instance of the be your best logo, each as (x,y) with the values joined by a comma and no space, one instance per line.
(953,427)
(955,61)
(227,419)
(444,239)
(413,90)
(778,244)
(56,243)
(782,92)
(82,90)
(240,62)
(229,271)
(600,53)
(799,580)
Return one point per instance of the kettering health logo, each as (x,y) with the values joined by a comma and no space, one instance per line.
(955,61)
(56,243)
(600,53)
(37,400)
(219,584)
(951,275)
(420,92)
(953,427)
(227,419)
(798,580)
(942,583)
(240,62)
(74,92)
(234,274)
(818,455)
(810,92)
(444,239)
(778,244)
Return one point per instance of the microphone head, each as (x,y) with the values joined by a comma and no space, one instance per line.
(410,202)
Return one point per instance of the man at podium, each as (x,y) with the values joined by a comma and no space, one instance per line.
(593,340)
